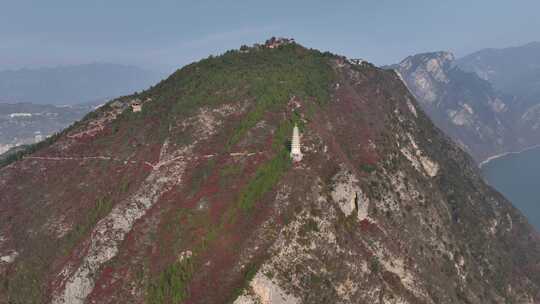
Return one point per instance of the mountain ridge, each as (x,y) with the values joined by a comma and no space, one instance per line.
(513,70)
(463,105)
(195,199)
(71,84)
(485,120)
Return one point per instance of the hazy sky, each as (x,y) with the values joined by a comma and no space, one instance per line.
(168,34)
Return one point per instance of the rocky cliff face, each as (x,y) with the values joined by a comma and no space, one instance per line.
(482,120)
(516,72)
(513,70)
(195,199)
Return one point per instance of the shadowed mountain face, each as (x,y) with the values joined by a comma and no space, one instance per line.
(466,107)
(514,70)
(195,199)
(73,84)
(480,118)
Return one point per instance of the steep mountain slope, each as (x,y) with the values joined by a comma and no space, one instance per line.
(73,84)
(24,123)
(196,200)
(460,103)
(514,70)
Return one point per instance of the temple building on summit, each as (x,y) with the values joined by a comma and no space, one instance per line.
(296,153)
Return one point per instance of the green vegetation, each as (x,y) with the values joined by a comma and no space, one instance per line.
(124,185)
(308,227)
(269,173)
(375,265)
(102,207)
(229,171)
(29,149)
(25,286)
(282,135)
(249,273)
(266,78)
(273,85)
(232,169)
(171,286)
(368,168)
(201,174)
(269,77)
(266,177)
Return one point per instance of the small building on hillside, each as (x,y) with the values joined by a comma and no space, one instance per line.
(136,105)
(274,42)
(356,61)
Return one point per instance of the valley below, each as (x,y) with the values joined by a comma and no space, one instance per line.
(25,123)
(517,176)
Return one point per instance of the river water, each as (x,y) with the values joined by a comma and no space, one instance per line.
(517,176)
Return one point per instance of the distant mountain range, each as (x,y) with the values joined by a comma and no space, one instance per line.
(35,103)
(73,84)
(514,70)
(483,101)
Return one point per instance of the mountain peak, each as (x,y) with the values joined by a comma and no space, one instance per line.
(274,42)
(432,61)
(441,55)
(195,198)
(458,100)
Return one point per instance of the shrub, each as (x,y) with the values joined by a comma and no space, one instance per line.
(266,176)
(375,265)
(171,286)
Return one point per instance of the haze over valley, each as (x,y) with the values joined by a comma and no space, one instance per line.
(276,153)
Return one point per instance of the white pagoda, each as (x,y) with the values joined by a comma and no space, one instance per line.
(296,153)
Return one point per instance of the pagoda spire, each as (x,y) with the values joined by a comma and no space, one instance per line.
(296,153)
